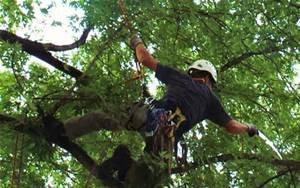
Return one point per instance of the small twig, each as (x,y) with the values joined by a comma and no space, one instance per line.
(67,98)
(102,47)
(284,78)
(293,164)
(17,78)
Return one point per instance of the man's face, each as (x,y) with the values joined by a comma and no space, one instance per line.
(200,76)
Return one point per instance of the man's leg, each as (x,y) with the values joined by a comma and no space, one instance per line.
(93,121)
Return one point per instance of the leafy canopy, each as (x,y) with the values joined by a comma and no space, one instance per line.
(253,44)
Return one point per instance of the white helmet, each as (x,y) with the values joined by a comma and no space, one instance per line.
(204,65)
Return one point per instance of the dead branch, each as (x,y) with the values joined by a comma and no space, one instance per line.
(76,44)
(38,50)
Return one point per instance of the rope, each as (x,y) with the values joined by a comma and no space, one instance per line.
(162,142)
(125,16)
(14,161)
(139,69)
(17,161)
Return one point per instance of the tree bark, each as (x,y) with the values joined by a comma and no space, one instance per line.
(6,118)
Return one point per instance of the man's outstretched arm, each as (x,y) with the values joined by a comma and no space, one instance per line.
(142,54)
(236,127)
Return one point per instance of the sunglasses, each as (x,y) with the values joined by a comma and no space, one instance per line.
(197,74)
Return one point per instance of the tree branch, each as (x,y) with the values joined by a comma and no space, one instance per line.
(73,128)
(38,50)
(296,5)
(293,164)
(238,60)
(281,173)
(6,118)
(97,120)
(76,44)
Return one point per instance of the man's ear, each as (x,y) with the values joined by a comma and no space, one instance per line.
(207,80)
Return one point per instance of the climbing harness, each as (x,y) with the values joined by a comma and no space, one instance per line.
(163,139)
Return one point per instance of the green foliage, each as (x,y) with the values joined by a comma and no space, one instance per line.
(14,14)
(261,36)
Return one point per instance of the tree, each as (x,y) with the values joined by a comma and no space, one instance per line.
(254,45)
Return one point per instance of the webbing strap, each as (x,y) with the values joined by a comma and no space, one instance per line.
(178,118)
(177,114)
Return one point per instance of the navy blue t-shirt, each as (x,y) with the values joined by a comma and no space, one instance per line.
(196,101)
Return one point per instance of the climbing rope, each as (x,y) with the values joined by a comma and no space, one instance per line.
(139,75)
(124,13)
(162,142)
(17,161)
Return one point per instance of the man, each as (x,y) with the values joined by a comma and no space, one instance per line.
(191,93)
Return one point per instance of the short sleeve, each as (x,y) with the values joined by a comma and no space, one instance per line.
(217,114)
(168,75)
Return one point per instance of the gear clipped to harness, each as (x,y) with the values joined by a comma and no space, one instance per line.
(157,117)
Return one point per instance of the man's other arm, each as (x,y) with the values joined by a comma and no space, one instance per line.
(236,127)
